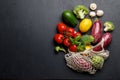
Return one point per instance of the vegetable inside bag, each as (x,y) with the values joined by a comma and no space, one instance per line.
(88,60)
(79,63)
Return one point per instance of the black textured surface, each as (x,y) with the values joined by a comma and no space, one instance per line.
(26,39)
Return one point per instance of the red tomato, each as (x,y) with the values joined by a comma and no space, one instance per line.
(61,27)
(59,38)
(70,32)
(77,34)
(73,48)
(66,42)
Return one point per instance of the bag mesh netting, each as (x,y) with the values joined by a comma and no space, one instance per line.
(87,61)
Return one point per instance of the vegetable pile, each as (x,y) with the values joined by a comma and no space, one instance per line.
(84,52)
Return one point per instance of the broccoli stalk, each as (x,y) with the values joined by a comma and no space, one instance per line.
(109,26)
(81,11)
(58,49)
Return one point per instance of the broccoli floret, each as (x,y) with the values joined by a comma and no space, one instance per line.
(109,26)
(81,11)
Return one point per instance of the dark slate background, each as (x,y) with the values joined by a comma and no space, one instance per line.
(27,28)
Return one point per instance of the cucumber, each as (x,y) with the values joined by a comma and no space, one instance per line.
(69,18)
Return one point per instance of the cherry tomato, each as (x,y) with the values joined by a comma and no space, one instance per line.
(73,48)
(66,42)
(61,27)
(70,32)
(77,34)
(59,38)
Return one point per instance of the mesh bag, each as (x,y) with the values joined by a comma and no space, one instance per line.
(88,60)
(103,53)
(79,63)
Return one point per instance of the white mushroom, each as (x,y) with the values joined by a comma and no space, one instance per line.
(92,14)
(100,12)
(93,6)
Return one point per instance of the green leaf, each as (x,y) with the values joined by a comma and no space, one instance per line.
(71,40)
(87,39)
(77,38)
(77,43)
(80,47)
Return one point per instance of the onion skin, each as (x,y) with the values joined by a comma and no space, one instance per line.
(96,31)
(107,39)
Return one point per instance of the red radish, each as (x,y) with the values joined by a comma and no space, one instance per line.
(107,38)
(96,30)
(82,64)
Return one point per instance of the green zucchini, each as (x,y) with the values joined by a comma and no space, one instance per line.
(69,18)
